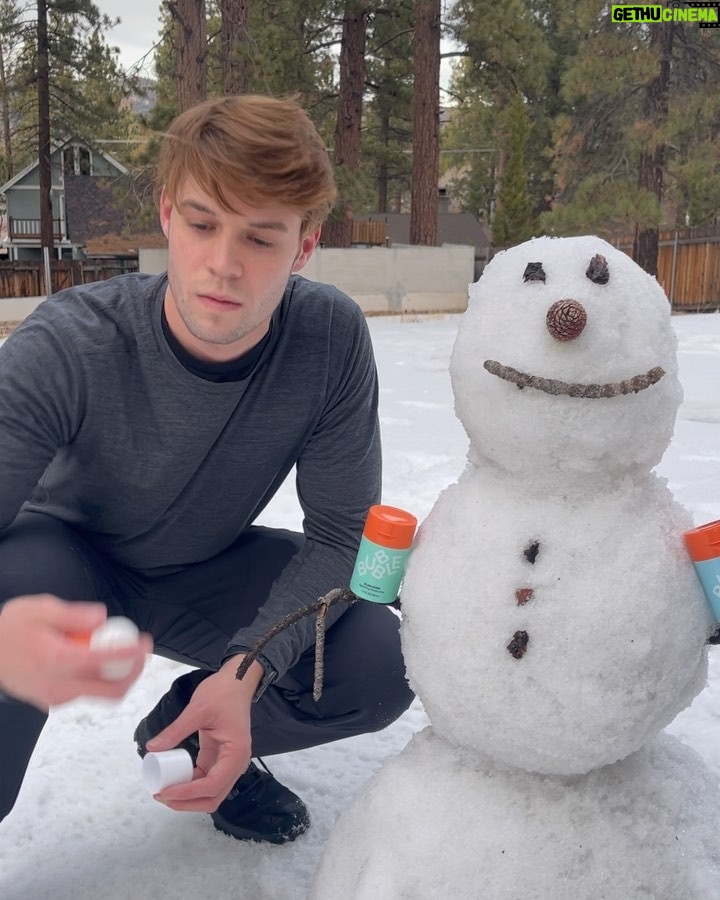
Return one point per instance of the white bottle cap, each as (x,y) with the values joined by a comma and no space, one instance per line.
(161,770)
(115,632)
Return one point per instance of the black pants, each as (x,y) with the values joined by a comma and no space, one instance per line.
(191,616)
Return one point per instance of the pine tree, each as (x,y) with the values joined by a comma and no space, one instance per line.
(387,130)
(514,220)
(346,151)
(513,52)
(471,143)
(426,124)
(60,53)
(235,58)
(10,36)
(191,51)
(640,123)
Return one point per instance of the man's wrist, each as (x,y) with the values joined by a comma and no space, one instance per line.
(267,677)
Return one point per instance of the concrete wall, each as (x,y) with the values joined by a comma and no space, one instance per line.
(384,279)
(13,310)
(152,262)
(380,279)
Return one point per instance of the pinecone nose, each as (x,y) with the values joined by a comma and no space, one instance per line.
(566,320)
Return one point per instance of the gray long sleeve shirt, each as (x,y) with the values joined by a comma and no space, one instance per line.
(101,426)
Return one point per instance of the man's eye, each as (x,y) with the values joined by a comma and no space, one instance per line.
(200,226)
(260,242)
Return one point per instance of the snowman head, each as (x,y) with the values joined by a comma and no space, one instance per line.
(565,363)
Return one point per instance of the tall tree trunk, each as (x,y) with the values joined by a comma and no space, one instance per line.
(652,159)
(346,153)
(5,99)
(234,46)
(191,65)
(426,124)
(383,167)
(44,148)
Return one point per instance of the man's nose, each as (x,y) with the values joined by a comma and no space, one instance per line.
(223,258)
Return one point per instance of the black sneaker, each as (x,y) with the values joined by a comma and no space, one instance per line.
(258,808)
(145,731)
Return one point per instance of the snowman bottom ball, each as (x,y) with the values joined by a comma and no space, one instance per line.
(438,822)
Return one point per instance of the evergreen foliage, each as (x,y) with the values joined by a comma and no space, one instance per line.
(86,84)
(607,128)
(513,222)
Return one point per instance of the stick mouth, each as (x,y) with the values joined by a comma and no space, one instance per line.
(584,391)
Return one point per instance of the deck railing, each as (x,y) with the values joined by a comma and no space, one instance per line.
(29,229)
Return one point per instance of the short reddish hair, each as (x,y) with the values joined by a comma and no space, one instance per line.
(254,147)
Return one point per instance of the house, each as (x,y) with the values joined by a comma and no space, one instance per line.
(73,162)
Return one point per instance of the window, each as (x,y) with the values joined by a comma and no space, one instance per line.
(76,160)
(85,161)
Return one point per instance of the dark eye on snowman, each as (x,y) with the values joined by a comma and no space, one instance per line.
(534,272)
(598,271)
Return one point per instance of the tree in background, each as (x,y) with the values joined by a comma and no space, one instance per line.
(640,123)
(235,59)
(651,163)
(47,230)
(513,221)
(387,129)
(295,51)
(346,150)
(86,85)
(426,124)
(63,80)
(286,48)
(10,35)
(470,152)
(364,115)
(191,51)
(510,58)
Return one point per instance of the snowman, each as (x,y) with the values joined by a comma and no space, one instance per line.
(552,624)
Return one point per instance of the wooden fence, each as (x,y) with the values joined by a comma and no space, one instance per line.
(26,278)
(688,267)
(369,232)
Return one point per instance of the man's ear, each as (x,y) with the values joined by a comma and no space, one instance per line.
(307,246)
(165,210)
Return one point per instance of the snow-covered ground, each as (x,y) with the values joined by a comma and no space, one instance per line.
(84,826)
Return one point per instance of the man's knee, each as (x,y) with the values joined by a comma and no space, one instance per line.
(20,725)
(39,554)
(387,694)
(364,669)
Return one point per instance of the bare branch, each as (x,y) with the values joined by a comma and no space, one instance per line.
(320,606)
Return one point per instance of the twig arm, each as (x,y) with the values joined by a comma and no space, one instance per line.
(337,595)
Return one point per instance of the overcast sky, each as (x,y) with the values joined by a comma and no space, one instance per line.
(137,32)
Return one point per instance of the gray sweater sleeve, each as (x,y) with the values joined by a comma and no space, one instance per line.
(338,479)
(42,395)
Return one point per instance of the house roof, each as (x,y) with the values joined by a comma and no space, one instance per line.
(102,216)
(58,145)
(124,244)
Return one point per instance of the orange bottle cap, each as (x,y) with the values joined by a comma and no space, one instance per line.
(703,542)
(79,637)
(390,527)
